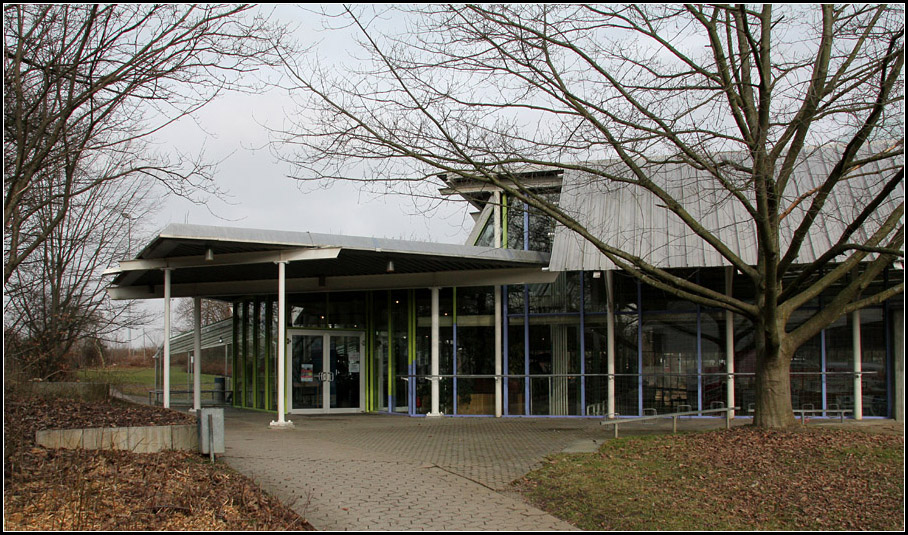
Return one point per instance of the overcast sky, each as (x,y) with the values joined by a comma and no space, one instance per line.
(233,130)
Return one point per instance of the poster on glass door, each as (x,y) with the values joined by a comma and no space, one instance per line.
(306,373)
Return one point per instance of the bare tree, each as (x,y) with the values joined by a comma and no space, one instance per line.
(57,298)
(87,88)
(213,311)
(478,93)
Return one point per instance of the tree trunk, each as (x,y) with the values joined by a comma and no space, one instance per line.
(773,388)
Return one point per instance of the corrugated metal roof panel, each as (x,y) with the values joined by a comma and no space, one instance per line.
(632,219)
(213,335)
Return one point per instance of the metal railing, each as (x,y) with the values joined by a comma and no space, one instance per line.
(674,416)
(211,394)
(804,412)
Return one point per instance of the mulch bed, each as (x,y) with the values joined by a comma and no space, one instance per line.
(55,489)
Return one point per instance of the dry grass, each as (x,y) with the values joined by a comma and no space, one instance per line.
(741,479)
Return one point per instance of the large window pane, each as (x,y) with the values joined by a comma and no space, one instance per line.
(873,363)
(400,351)
(626,365)
(806,368)
(308,310)
(476,396)
(260,354)
(515,294)
(595,295)
(561,296)
(424,350)
(625,292)
(487,236)
(555,352)
(516,403)
(839,365)
(654,299)
(515,224)
(713,360)
(596,363)
(346,310)
(745,365)
(670,362)
(380,351)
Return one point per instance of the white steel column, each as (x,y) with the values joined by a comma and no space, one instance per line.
(856,350)
(436,340)
(166,367)
(197,354)
(496,223)
(610,344)
(498,356)
(729,344)
(281,345)
(498,323)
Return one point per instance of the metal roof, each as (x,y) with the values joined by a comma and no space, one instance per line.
(243,263)
(216,334)
(636,221)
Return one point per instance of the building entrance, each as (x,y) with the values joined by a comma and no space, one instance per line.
(326,371)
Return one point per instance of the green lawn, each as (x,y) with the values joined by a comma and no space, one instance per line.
(138,381)
(741,479)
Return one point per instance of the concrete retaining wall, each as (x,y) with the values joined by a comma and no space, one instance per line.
(148,439)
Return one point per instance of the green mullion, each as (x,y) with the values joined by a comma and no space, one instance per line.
(256,336)
(269,358)
(243,325)
(411,337)
(504,221)
(411,328)
(391,360)
(288,397)
(366,359)
(233,357)
(373,376)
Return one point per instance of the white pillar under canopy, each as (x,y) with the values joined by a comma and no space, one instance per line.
(498,355)
(436,351)
(166,367)
(610,344)
(856,350)
(281,345)
(729,344)
(197,354)
(498,233)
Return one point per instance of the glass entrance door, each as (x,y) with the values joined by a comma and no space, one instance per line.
(326,371)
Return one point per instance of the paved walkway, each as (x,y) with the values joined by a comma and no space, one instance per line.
(388,473)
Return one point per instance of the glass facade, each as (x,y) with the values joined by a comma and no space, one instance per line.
(254,361)
(669,354)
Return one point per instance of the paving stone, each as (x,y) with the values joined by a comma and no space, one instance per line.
(384,472)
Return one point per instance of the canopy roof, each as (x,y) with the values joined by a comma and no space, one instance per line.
(242,262)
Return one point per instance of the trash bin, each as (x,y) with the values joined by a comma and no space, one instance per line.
(211,430)
(220,389)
